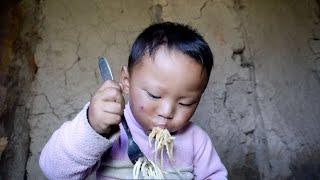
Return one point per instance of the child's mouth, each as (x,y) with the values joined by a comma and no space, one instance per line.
(163,126)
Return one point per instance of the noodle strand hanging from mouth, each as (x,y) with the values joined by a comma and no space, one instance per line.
(162,140)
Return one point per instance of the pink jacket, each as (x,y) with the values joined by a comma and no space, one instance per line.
(75,151)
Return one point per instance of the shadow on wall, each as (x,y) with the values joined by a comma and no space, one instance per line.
(306,168)
(17,69)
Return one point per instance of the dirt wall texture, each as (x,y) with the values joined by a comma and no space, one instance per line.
(18,37)
(262,104)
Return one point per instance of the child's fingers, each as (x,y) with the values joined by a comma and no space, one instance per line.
(111,94)
(110,119)
(109,84)
(112,107)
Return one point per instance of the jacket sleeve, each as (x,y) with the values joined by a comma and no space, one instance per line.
(74,150)
(207,164)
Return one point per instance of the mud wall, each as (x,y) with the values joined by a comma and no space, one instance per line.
(18,37)
(262,104)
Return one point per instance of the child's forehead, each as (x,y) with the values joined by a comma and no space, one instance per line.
(168,64)
(169,61)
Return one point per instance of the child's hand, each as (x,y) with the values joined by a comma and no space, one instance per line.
(106,107)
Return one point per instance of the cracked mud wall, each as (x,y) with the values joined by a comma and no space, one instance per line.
(262,104)
(18,37)
(287,85)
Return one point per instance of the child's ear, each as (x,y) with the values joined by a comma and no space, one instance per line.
(124,79)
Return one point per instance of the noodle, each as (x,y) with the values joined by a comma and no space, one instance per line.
(149,169)
(163,139)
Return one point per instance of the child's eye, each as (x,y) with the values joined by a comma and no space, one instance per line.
(186,104)
(153,96)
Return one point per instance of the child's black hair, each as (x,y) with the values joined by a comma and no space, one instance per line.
(174,36)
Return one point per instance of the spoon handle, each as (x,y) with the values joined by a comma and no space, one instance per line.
(106,74)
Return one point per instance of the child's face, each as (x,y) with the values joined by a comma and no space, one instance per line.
(165,91)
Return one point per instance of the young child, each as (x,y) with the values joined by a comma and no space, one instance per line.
(168,70)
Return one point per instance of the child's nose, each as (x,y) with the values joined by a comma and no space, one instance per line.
(166,110)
